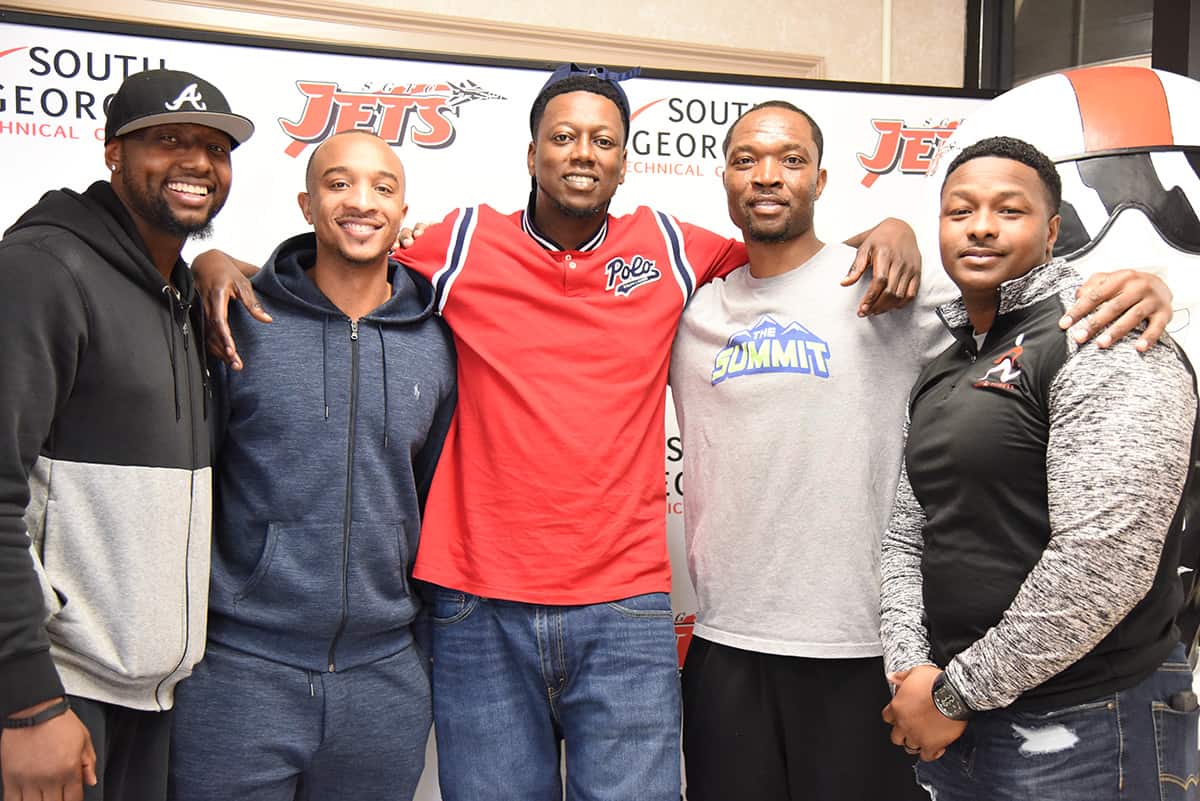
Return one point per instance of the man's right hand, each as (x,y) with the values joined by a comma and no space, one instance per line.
(220,277)
(50,760)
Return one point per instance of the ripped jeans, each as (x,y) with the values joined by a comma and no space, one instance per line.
(1135,745)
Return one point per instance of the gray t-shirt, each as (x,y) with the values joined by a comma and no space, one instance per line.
(791,410)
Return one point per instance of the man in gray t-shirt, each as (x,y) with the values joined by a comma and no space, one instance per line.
(791,410)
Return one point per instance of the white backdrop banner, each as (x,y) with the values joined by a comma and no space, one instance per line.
(462,132)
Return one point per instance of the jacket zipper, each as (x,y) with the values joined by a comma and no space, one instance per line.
(349,491)
(185,310)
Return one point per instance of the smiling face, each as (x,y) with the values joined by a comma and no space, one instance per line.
(172,178)
(772,179)
(577,157)
(355,199)
(996,225)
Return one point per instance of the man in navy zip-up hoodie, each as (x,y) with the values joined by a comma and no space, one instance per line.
(326,446)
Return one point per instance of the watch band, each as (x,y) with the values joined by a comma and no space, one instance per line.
(948,700)
(49,713)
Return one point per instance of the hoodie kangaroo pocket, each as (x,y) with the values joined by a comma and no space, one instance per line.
(121,573)
(296,586)
(377,591)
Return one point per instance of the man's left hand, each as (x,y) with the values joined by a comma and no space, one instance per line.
(917,725)
(1120,300)
(890,251)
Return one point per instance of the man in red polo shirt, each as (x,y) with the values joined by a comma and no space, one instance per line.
(544,532)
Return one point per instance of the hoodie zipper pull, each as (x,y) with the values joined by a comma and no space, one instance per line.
(354,330)
(184,310)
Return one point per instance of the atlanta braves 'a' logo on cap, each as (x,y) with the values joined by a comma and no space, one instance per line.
(190,95)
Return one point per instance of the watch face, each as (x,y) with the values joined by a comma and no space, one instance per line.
(948,703)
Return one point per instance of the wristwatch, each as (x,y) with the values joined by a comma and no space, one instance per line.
(948,701)
(59,707)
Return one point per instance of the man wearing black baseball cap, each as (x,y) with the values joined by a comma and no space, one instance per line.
(104,455)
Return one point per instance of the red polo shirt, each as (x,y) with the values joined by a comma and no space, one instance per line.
(550,487)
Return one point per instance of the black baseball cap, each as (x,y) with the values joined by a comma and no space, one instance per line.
(162,97)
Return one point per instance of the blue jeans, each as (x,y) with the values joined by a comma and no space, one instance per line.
(513,682)
(1127,746)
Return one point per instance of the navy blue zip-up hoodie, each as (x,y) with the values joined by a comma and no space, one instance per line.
(327,441)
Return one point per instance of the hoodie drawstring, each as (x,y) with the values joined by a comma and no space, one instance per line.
(167,294)
(324,359)
(205,381)
(383,352)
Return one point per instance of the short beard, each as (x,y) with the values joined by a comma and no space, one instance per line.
(771,237)
(362,261)
(796,225)
(569,211)
(155,210)
(579,214)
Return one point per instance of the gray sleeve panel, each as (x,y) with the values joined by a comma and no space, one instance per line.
(1117,457)
(905,640)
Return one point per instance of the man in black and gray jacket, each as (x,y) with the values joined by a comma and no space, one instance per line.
(104,451)
(1030,566)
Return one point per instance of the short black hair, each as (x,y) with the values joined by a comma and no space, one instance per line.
(578,83)
(818,137)
(1008,147)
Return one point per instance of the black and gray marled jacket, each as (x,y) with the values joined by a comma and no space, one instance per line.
(1025,552)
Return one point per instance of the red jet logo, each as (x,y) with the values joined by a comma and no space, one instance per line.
(683,635)
(421,112)
(910,149)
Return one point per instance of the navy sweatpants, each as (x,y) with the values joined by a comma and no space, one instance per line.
(256,730)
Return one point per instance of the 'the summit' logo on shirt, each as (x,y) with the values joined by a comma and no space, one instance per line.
(770,347)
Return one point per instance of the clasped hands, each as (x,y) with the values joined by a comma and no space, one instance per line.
(917,725)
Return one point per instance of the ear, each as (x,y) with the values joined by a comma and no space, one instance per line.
(112,155)
(529,157)
(820,187)
(1052,235)
(303,200)
(621,177)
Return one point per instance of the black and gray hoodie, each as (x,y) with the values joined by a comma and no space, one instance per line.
(104,461)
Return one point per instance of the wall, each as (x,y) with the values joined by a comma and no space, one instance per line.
(886,41)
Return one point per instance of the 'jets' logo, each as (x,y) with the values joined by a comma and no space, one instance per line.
(191,95)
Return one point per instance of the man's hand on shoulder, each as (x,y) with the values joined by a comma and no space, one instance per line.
(890,251)
(407,236)
(1120,300)
(53,759)
(219,279)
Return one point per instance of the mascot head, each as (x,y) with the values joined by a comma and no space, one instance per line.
(1126,141)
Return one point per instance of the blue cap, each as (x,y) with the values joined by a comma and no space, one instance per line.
(566,71)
